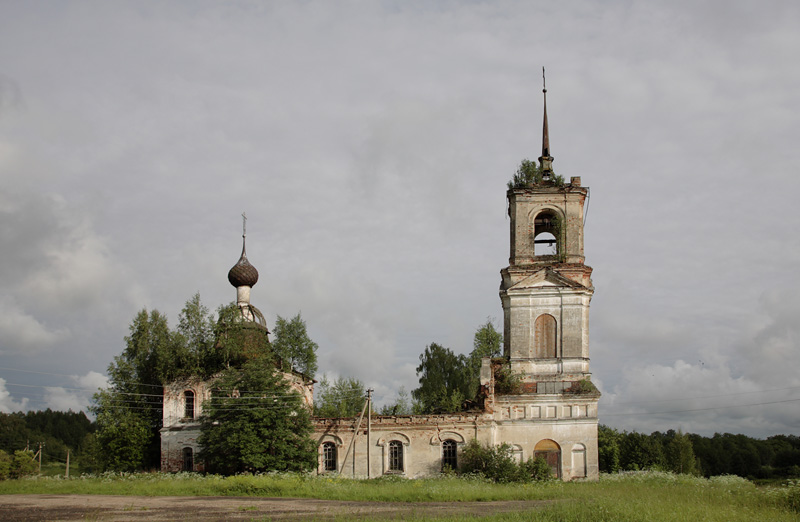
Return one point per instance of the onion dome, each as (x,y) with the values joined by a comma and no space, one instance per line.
(243,273)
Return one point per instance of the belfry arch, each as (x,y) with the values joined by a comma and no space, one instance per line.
(547,240)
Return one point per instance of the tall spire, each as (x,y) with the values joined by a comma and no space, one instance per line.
(545,159)
(244,234)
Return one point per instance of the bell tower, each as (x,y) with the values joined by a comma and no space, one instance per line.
(546,288)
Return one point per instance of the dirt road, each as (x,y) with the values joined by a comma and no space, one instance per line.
(39,508)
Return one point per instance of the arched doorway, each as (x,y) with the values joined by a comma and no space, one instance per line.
(188,459)
(550,451)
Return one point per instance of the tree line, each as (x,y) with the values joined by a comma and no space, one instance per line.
(721,454)
(58,432)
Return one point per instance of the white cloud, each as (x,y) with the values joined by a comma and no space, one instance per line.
(91,381)
(7,403)
(21,332)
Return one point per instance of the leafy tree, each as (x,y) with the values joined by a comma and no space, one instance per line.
(608,449)
(293,347)
(639,451)
(125,434)
(14,431)
(129,413)
(89,455)
(401,406)
(343,398)
(485,344)
(196,327)
(254,422)
(447,379)
(443,380)
(5,465)
(679,454)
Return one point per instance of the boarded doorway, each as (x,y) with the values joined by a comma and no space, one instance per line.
(550,451)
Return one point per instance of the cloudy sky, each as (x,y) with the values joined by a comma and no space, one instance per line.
(370,144)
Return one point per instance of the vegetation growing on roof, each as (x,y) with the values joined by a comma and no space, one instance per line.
(583,387)
(529,174)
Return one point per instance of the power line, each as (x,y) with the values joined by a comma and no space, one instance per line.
(698,409)
(711,396)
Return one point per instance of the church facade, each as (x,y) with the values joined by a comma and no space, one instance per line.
(551,412)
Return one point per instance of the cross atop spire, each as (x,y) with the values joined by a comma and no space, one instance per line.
(545,159)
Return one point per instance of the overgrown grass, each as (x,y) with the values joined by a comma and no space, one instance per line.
(647,496)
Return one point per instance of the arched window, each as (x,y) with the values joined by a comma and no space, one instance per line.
(550,451)
(545,337)
(188,404)
(188,459)
(449,455)
(329,456)
(396,456)
(545,234)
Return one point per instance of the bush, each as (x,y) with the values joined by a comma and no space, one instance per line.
(537,469)
(583,387)
(506,382)
(23,464)
(5,465)
(497,463)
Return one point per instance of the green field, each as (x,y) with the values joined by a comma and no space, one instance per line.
(647,496)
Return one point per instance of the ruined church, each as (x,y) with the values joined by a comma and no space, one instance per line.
(545,293)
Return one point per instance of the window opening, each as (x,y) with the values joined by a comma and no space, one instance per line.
(545,245)
(188,459)
(329,456)
(395,456)
(449,455)
(188,409)
(545,242)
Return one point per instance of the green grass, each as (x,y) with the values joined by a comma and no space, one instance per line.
(650,496)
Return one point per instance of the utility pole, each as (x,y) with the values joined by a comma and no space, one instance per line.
(352,442)
(41,444)
(369,427)
(67,474)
